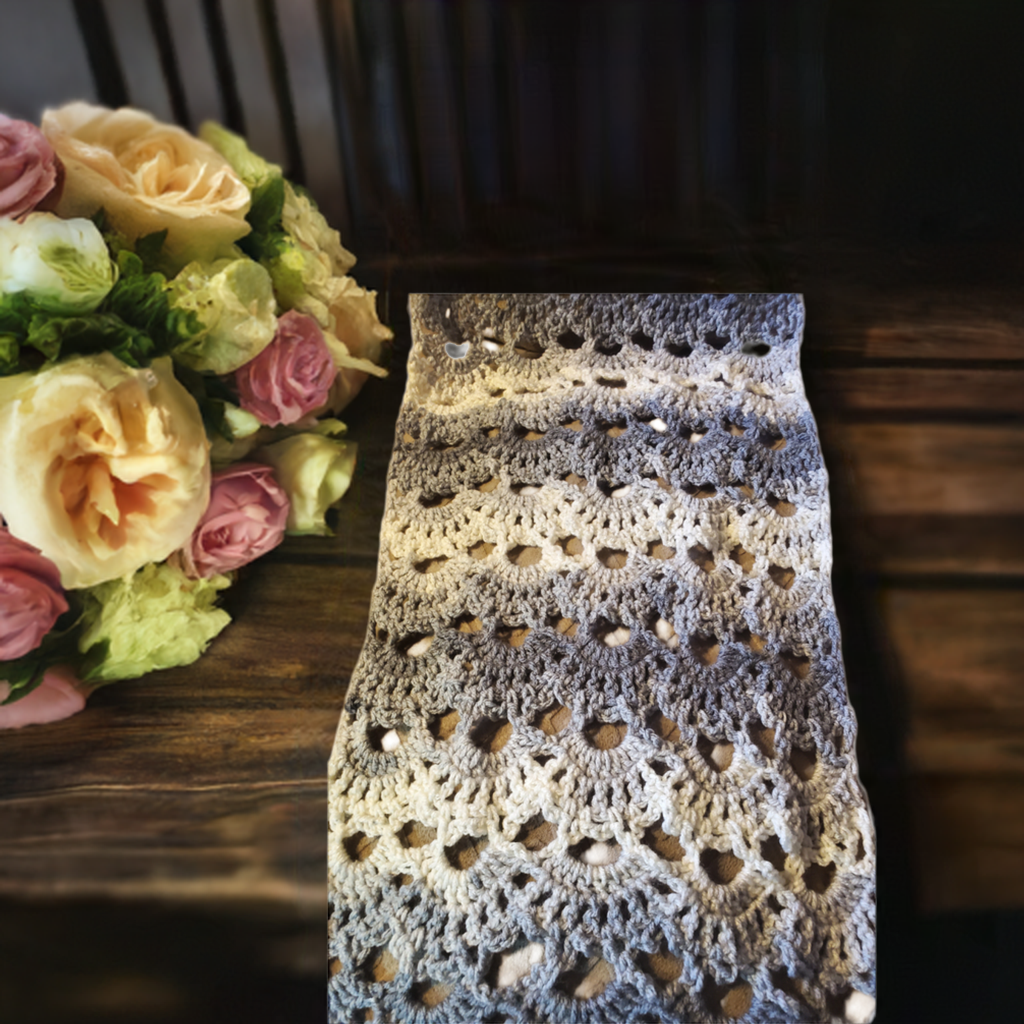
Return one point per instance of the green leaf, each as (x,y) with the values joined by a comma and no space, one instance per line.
(149,247)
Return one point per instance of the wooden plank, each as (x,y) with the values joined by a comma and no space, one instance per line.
(962,323)
(993,545)
(970,839)
(206,782)
(878,389)
(938,747)
(959,652)
(929,468)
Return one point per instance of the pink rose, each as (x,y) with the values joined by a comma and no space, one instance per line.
(59,695)
(31,598)
(291,377)
(30,171)
(245,519)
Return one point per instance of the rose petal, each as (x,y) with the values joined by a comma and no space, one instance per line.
(60,695)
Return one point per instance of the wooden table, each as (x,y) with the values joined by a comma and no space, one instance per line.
(164,852)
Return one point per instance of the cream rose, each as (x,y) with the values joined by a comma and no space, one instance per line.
(103,468)
(148,176)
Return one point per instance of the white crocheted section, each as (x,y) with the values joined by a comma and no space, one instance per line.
(597,759)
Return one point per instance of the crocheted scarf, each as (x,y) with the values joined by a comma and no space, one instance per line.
(596,761)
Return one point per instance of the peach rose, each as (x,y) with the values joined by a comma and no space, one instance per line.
(148,176)
(102,468)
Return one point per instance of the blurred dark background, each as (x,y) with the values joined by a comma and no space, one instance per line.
(868,153)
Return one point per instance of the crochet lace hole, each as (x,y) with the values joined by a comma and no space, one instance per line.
(614,429)
(443,726)
(570,340)
(772,851)
(468,623)
(380,966)
(818,877)
(662,966)
(641,340)
(407,438)
(401,881)
(658,549)
(663,843)
(436,500)
(384,738)
(772,439)
(666,633)
(612,558)
(575,480)
(523,555)
(717,755)
(522,880)
(414,834)
(701,491)
(514,636)
(490,734)
(529,434)
(792,987)
(491,484)
(429,565)
(762,737)
(536,833)
(605,735)
(859,1008)
(798,664)
(751,640)
(607,347)
(465,852)
(658,723)
(804,762)
(587,980)
(733,428)
(491,432)
(861,852)
(415,645)
(571,545)
(720,866)
(511,965)
(595,853)
(716,341)
(756,348)
(432,993)
(732,1001)
(679,349)
(659,768)
(333,966)
(565,626)
(744,559)
(553,720)
(705,648)
(611,634)
(574,425)
(359,846)
(610,382)
(780,506)
(481,549)
(529,348)
(781,576)
(701,557)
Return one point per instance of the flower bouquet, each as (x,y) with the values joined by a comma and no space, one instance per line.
(178,331)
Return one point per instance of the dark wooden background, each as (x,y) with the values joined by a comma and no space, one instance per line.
(162,855)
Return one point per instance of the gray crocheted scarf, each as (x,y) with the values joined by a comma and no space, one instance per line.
(597,761)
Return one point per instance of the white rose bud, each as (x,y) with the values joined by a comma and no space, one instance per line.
(62,265)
